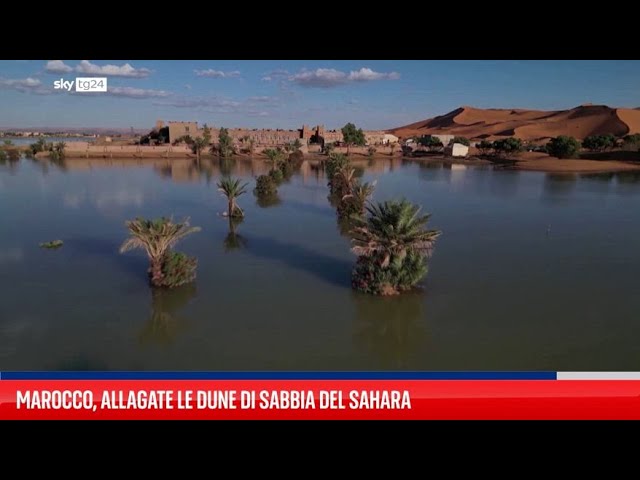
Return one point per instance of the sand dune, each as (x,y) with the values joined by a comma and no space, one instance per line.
(533,125)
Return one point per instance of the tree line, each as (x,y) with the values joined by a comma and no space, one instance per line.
(562,146)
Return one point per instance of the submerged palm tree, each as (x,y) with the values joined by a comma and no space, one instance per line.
(275,156)
(352,206)
(347,175)
(393,229)
(360,194)
(156,238)
(232,189)
(393,245)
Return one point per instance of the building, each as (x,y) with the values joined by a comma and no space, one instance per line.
(456,150)
(389,138)
(269,137)
(180,129)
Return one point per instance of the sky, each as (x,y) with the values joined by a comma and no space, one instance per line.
(376,94)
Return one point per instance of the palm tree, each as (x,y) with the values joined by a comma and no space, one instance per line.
(393,229)
(344,179)
(232,189)
(360,194)
(198,145)
(156,238)
(328,148)
(275,156)
(393,246)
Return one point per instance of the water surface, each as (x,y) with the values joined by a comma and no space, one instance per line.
(533,271)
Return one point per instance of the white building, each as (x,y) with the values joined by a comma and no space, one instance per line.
(389,138)
(457,150)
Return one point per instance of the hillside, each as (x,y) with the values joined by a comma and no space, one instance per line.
(533,125)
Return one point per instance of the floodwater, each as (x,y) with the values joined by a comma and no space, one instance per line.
(532,272)
(30,140)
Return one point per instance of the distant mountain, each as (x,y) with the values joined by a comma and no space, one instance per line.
(476,123)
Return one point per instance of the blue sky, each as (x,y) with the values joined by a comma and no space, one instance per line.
(285,94)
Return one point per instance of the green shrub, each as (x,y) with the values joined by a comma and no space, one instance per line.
(485,147)
(563,147)
(462,140)
(286,169)
(402,274)
(432,143)
(276,176)
(265,186)
(631,142)
(177,269)
(52,244)
(507,147)
(599,143)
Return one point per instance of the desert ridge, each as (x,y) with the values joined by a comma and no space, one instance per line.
(530,125)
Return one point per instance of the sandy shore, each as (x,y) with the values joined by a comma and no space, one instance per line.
(576,166)
(544,163)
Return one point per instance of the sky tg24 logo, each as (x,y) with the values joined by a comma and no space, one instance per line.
(82,84)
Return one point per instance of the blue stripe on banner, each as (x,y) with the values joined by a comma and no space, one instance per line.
(278,375)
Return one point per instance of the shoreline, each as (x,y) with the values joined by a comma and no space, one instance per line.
(531,163)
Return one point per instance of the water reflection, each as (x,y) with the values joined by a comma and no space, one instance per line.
(600,177)
(11,255)
(559,186)
(165,321)
(267,201)
(392,329)
(505,183)
(9,160)
(233,240)
(631,176)
(298,246)
(81,363)
(227,166)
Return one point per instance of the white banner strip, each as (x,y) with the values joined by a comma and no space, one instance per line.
(598,375)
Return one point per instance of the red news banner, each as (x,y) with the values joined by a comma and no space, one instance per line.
(319,399)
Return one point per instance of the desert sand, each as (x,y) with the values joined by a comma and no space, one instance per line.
(530,125)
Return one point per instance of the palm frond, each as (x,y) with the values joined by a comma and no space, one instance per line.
(393,228)
(231,188)
(131,243)
(157,236)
